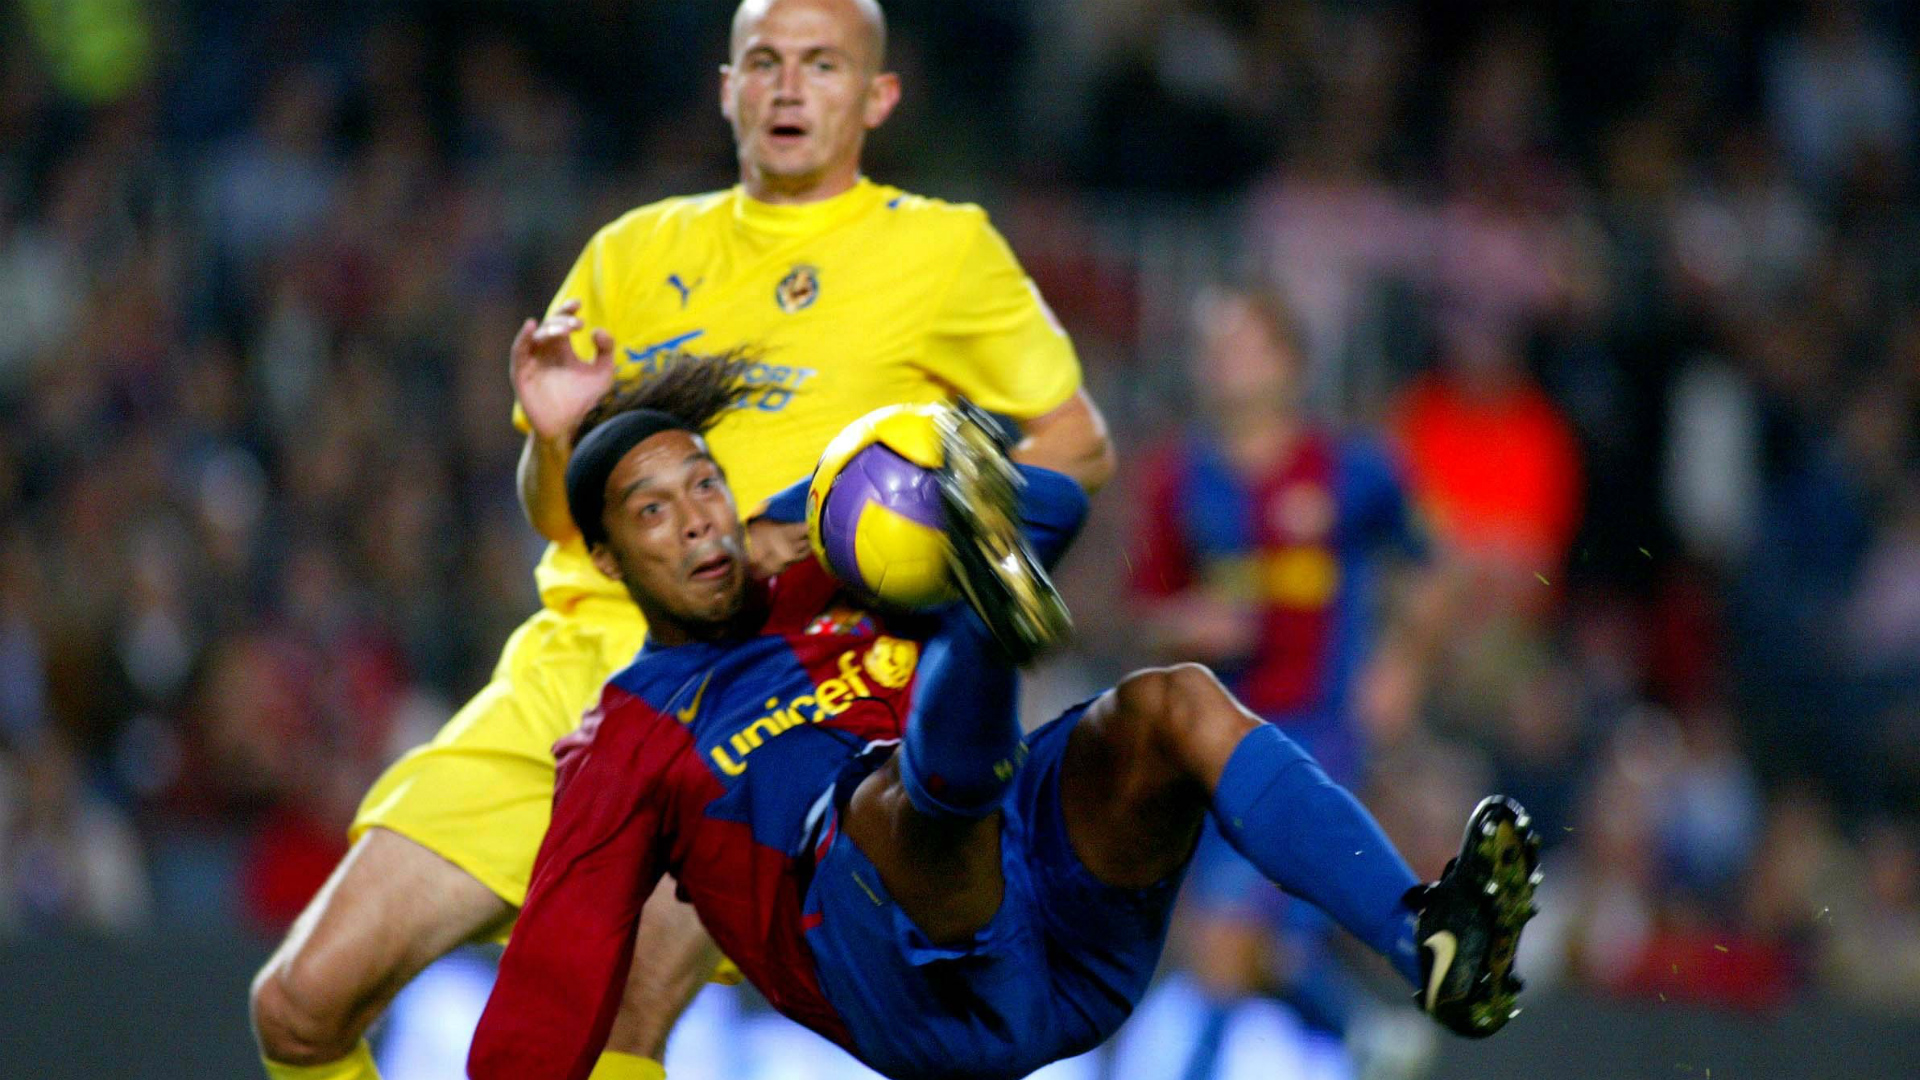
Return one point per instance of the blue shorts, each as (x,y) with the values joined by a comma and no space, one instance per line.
(1052,974)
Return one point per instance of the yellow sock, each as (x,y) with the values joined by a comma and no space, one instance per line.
(355,1066)
(613,1066)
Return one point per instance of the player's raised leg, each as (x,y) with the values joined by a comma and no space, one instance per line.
(446,843)
(928,819)
(391,908)
(1168,745)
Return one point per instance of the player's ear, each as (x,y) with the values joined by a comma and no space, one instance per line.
(726,91)
(883,93)
(603,560)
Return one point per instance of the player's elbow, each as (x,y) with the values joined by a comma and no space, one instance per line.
(1071,439)
(1101,462)
(295,1025)
(1085,454)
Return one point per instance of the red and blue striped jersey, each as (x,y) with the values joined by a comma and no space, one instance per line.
(714,763)
(1297,542)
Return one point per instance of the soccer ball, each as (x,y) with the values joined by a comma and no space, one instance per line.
(874,515)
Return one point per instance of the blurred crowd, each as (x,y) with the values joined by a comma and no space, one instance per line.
(1632,288)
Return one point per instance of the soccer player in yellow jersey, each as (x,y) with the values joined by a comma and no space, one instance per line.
(850,295)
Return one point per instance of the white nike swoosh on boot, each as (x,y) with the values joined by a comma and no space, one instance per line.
(1444,945)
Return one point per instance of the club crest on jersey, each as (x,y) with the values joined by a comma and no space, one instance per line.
(798,290)
(891,661)
(839,619)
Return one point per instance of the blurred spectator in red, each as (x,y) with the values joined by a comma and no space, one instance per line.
(1493,462)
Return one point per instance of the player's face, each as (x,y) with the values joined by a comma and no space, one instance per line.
(1243,365)
(674,537)
(802,91)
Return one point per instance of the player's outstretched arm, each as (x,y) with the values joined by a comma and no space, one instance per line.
(1071,439)
(555,389)
(566,966)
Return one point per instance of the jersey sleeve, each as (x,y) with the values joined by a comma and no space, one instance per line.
(1053,507)
(565,967)
(994,340)
(788,505)
(590,282)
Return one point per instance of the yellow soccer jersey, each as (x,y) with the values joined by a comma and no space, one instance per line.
(870,298)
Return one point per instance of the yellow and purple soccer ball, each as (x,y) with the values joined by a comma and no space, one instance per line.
(874,515)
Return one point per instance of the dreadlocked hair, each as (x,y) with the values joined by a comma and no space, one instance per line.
(695,388)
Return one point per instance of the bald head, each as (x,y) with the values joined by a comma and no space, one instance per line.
(802,89)
(863,15)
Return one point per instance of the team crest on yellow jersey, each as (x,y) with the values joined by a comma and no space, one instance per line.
(798,290)
(891,661)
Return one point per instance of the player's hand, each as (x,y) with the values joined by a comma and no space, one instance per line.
(554,386)
(772,546)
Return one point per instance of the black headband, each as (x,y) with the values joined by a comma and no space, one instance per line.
(597,454)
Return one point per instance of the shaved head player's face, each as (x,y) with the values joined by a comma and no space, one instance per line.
(802,89)
(674,537)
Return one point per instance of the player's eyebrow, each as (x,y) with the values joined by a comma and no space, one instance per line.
(648,479)
(810,52)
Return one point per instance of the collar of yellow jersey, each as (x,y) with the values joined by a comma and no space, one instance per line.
(803,217)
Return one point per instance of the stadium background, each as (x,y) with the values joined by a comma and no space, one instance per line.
(260,262)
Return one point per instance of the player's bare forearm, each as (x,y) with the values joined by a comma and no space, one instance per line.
(543,490)
(1071,439)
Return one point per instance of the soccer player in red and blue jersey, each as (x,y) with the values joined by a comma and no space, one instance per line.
(1262,556)
(847,801)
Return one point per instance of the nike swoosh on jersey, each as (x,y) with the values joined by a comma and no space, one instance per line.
(1443,944)
(686,715)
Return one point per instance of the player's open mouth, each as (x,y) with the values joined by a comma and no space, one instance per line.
(786,133)
(713,569)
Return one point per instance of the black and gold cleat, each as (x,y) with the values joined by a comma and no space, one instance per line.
(996,571)
(1470,921)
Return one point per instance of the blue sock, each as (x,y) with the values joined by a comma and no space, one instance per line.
(963,734)
(1307,835)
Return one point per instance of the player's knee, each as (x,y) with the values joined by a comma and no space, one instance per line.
(295,1018)
(1171,700)
(1154,703)
(1145,694)
(1183,710)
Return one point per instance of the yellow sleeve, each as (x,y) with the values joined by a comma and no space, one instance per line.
(590,282)
(994,340)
